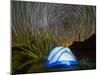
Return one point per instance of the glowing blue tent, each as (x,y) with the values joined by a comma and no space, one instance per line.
(61,56)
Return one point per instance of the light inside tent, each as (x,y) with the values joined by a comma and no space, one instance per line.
(61,56)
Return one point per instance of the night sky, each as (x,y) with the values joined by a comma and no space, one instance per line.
(71,22)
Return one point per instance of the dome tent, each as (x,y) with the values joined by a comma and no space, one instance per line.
(61,56)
